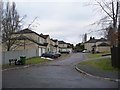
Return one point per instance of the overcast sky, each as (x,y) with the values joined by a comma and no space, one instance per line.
(62,19)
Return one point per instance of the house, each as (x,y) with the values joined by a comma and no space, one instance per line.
(54,45)
(103,47)
(99,45)
(47,41)
(29,43)
(70,47)
(27,39)
(65,47)
(62,46)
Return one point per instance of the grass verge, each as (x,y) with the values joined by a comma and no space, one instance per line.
(64,55)
(103,64)
(33,60)
(96,55)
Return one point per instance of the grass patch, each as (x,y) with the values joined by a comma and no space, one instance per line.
(96,55)
(33,60)
(64,54)
(103,64)
(8,66)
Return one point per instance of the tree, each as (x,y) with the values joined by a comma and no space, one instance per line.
(1,14)
(112,18)
(10,24)
(79,47)
(111,9)
(119,32)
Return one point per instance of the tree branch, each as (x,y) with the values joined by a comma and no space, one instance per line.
(104,9)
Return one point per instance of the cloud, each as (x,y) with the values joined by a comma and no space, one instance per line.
(61,19)
(63,30)
(48,0)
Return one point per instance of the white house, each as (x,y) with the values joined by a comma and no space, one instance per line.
(65,47)
(100,45)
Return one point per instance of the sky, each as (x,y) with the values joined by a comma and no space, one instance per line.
(66,20)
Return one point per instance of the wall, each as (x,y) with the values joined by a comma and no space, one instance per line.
(16,54)
(23,44)
(27,44)
(97,43)
(103,49)
(63,45)
(88,46)
(70,49)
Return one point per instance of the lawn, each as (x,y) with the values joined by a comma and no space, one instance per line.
(64,55)
(103,64)
(96,55)
(7,66)
(33,60)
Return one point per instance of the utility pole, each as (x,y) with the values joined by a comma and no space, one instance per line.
(119,24)
(1,13)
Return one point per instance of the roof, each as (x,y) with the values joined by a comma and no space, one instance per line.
(24,31)
(94,46)
(92,41)
(101,40)
(26,38)
(96,40)
(103,44)
(44,36)
(61,42)
(55,40)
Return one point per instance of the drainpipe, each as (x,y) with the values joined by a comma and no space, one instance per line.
(24,44)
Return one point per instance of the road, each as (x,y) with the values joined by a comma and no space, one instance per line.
(59,73)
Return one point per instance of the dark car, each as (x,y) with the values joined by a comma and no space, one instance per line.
(50,55)
(65,52)
(58,54)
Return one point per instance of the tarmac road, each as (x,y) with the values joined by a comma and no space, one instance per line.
(59,73)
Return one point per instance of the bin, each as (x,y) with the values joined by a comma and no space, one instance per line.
(23,59)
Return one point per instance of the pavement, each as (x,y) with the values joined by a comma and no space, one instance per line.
(84,69)
(94,72)
(59,73)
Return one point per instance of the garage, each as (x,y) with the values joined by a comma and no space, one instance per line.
(43,50)
(40,51)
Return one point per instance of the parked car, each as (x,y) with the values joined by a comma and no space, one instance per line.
(85,51)
(58,54)
(50,55)
(65,52)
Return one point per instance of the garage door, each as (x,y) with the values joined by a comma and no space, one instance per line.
(43,50)
(40,51)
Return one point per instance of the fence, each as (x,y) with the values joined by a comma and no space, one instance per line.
(16,54)
(115,57)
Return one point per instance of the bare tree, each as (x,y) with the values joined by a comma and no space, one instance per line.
(32,22)
(111,9)
(10,24)
(109,23)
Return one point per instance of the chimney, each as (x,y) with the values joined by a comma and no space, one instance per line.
(90,38)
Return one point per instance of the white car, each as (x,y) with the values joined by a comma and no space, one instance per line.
(85,51)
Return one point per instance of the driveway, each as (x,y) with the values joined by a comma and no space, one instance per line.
(59,73)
